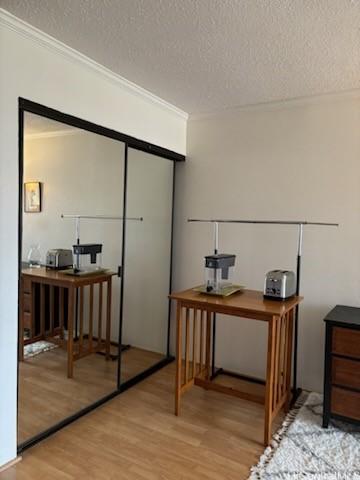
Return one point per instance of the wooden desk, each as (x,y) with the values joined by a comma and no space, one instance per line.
(64,286)
(200,308)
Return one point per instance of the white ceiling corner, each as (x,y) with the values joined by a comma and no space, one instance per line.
(208,55)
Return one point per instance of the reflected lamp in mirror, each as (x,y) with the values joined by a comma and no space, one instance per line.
(32,197)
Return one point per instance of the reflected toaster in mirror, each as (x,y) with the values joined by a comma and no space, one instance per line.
(57,258)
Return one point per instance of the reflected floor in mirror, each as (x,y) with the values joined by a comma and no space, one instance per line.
(47,396)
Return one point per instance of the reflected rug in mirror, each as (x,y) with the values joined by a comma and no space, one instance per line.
(36,348)
(301,448)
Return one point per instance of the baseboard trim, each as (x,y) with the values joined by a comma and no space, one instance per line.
(11,463)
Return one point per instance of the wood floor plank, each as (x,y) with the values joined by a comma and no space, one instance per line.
(136,436)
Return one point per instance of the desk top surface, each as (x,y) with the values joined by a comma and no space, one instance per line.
(250,301)
(43,275)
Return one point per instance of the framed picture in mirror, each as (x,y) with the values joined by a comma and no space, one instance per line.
(32,197)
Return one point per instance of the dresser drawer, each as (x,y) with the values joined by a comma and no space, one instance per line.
(346,372)
(345,403)
(27,302)
(346,341)
(27,320)
(26,285)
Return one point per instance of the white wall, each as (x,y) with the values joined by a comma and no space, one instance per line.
(290,161)
(35,68)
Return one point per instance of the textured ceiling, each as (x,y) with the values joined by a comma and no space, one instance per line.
(204,55)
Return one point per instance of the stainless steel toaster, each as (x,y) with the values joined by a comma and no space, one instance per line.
(280,284)
(59,258)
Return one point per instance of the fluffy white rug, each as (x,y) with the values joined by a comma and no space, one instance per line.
(36,348)
(303,449)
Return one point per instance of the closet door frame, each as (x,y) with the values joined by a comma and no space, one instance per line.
(29,106)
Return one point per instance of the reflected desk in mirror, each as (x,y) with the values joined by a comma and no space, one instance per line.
(50,304)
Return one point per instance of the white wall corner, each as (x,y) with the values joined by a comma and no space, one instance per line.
(280,104)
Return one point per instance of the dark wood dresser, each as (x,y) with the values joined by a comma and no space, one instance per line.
(342,365)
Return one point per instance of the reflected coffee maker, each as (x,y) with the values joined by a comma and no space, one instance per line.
(87,258)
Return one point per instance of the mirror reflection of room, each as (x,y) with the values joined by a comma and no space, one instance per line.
(70,290)
(147,262)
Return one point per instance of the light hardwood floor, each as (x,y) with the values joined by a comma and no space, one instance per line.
(136,436)
(47,396)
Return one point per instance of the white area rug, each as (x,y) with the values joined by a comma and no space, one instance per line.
(303,449)
(38,347)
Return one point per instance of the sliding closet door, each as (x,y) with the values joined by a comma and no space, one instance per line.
(147,262)
(81,174)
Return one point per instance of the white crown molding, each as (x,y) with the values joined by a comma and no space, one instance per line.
(53,133)
(280,104)
(41,38)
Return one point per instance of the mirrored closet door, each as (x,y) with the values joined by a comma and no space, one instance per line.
(145,328)
(73,189)
(95,254)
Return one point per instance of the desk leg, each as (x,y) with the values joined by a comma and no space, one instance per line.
(178,356)
(70,342)
(42,311)
(289,341)
(270,379)
(108,319)
(208,345)
(61,313)
(91,317)
(52,308)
